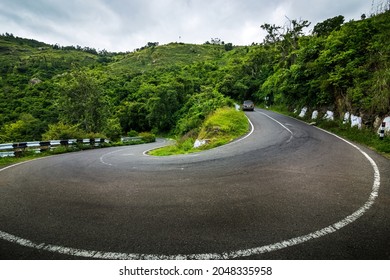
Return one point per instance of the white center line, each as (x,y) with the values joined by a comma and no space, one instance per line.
(285,127)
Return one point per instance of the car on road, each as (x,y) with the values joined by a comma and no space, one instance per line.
(248,105)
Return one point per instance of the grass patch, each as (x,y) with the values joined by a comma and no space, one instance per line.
(221,127)
(181,147)
(6,161)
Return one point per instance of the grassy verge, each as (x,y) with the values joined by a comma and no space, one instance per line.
(222,127)
(6,161)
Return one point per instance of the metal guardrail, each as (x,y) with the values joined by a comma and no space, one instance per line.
(15,149)
(131,139)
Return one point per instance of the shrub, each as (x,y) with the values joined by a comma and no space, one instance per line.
(132,133)
(224,122)
(63,131)
(148,137)
(113,129)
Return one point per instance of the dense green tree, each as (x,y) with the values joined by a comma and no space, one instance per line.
(61,131)
(133,116)
(26,128)
(162,108)
(83,103)
(326,27)
(274,35)
(113,129)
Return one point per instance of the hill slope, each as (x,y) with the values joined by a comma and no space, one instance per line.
(173,88)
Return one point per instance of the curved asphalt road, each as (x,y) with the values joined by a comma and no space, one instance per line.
(287,191)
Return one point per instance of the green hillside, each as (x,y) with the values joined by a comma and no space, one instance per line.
(173,88)
(142,91)
(24,58)
(160,57)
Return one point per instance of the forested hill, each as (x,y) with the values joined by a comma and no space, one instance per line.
(65,92)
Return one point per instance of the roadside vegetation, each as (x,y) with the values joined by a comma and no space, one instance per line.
(70,92)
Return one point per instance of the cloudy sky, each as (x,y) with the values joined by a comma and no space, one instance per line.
(124,25)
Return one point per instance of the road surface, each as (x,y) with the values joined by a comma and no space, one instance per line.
(286,191)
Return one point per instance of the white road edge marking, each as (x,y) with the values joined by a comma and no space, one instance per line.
(246,136)
(211,256)
(240,139)
(116,151)
(113,152)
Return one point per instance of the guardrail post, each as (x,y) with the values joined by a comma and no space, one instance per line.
(64,142)
(44,146)
(382,131)
(19,148)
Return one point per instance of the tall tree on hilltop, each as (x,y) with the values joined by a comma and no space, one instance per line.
(326,27)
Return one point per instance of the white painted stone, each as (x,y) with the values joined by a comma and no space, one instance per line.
(329,116)
(303,112)
(387,125)
(346,117)
(199,143)
(356,121)
(314,116)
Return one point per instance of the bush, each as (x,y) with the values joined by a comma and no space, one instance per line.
(225,122)
(132,133)
(113,129)
(148,137)
(63,149)
(187,145)
(63,131)
(27,128)
(198,107)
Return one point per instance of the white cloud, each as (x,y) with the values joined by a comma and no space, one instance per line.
(119,25)
(250,32)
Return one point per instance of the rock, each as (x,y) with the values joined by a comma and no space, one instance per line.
(377,122)
(35,81)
